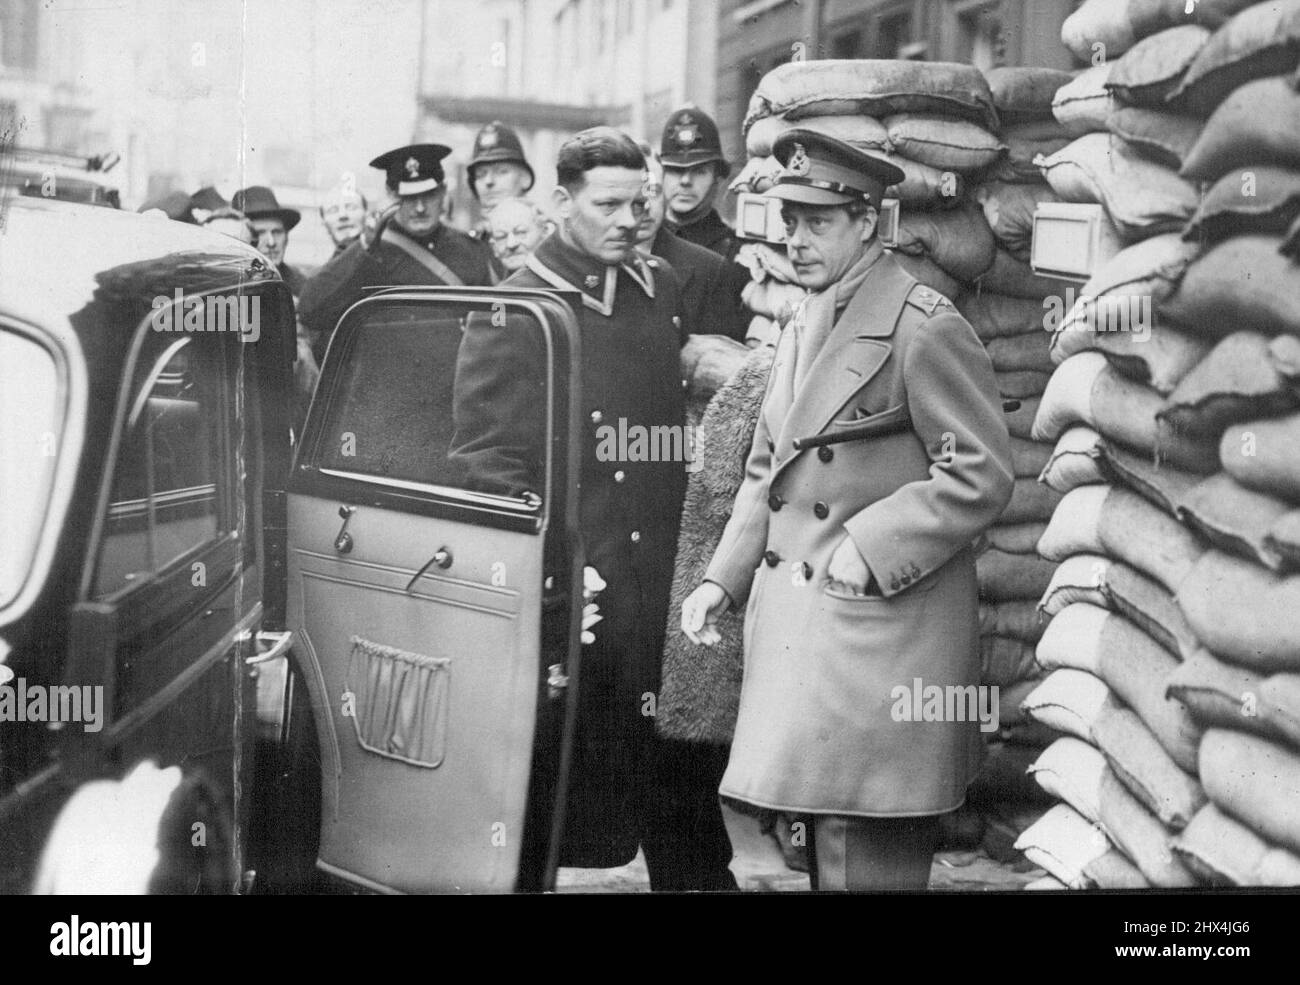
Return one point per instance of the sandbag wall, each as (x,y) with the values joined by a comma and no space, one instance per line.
(1174,643)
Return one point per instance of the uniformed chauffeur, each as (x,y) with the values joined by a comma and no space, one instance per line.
(629,510)
(853,551)
(694,170)
(415,247)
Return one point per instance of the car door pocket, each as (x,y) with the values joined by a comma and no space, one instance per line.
(399,702)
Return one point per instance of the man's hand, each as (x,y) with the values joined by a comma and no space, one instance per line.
(700,613)
(372,228)
(591,584)
(849,570)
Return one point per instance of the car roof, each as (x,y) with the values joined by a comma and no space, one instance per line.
(57,258)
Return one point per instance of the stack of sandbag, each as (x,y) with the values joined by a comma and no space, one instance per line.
(936,121)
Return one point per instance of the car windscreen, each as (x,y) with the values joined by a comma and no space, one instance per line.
(31,439)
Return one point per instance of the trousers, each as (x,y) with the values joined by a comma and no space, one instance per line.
(871,853)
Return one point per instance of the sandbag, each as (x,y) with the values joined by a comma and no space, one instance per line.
(1031,501)
(1114,871)
(1011,720)
(1079,578)
(1069,701)
(1255,781)
(1284,538)
(1020,417)
(958,240)
(942,142)
(1224,852)
(1262,40)
(1073,461)
(929,273)
(1070,770)
(1163,485)
(1115,522)
(1159,357)
(1143,766)
(1258,123)
(863,132)
(1137,669)
(1082,104)
(1026,142)
(1108,28)
(1073,639)
(1237,381)
(1016,278)
(995,316)
(1223,694)
(1164,137)
(1016,538)
(1009,211)
(1260,198)
(1005,661)
(1141,197)
(1240,284)
(1018,620)
(1243,612)
(1024,94)
(1087,389)
(1236,519)
(1028,458)
(1150,606)
(1153,67)
(872,87)
(1005,577)
(1063,842)
(924,187)
(1285,353)
(1140,835)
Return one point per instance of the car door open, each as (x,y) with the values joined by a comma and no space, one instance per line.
(437,600)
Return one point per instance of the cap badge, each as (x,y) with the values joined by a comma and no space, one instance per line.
(489,138)
(591,280)
(412,168)
(799,164)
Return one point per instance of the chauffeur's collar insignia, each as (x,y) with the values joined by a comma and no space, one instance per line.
(799,165)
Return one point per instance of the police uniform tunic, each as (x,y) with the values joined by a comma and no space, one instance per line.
(710,232)
(631,335)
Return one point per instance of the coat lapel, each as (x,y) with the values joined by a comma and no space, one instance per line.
(855,350)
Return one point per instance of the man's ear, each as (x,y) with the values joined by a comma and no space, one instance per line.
(563,202)
(869,222)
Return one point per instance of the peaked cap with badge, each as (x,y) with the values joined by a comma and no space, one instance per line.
(498,142)
(821,170)
(413,169)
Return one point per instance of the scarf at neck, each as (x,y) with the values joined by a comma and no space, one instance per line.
(817,313)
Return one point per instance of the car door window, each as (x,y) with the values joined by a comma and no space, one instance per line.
(170,490)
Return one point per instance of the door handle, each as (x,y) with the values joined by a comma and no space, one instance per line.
(343,542)
(278,643)
(442,559)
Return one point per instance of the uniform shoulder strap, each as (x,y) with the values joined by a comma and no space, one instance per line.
(422,256)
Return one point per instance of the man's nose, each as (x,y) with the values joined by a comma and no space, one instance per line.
(421,206)
(796,239)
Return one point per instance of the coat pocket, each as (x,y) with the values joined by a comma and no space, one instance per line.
(894,419)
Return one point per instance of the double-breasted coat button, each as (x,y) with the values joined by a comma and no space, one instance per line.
(620,475)
(597,417)
(636,536)
(775,502)
(893,583)
(771,558)
(825,453)
(907,579)
(821,511)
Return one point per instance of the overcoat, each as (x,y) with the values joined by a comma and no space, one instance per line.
(819,727)
(629,508)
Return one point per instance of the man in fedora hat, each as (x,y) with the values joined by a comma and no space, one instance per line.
(409,244)
(694,168)
(880,455)
(271,225)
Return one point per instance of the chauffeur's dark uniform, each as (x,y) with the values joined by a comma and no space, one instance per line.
(631,334)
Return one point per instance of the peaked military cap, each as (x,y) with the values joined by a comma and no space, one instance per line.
(691,137)
(821,170)
(413,169)
(498,142)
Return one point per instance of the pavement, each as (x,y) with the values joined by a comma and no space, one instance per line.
(759,866)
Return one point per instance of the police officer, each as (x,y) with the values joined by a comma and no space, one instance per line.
(408,245)
(880,454)
(497,170)
(694,170)
(629,509)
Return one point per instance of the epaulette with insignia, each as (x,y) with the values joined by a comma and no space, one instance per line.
(928,299)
